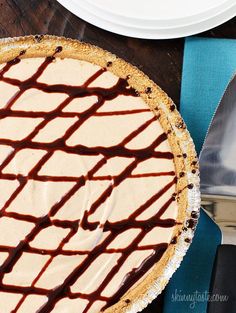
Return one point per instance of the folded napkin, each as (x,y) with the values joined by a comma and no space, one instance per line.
(208,67)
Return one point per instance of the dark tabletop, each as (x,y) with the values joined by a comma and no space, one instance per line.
(160,59)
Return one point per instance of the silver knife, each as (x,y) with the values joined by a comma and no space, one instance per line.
(218,188)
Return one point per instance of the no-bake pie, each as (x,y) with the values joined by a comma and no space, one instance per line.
(99,182)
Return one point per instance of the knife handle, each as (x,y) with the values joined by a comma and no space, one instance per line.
(223,281)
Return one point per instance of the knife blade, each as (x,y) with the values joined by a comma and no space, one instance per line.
(218,189)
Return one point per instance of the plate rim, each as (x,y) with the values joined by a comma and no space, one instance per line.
(140,33)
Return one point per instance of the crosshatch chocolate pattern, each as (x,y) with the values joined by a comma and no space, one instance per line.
(40,223)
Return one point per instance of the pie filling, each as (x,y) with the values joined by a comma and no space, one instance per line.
(87,182)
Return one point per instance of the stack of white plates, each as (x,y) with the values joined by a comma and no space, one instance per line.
(153,19)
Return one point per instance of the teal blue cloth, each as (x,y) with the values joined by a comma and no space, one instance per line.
(208,67)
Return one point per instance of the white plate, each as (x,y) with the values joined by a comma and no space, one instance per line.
(158,9)
(150,33)
(90,6)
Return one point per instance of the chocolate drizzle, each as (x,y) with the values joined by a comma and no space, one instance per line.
(115,228)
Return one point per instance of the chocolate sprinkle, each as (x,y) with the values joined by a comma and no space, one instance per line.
(172,107)
(109,63)
(180,124)
(148,90)
(191,223)
(38,38)
(195,214)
